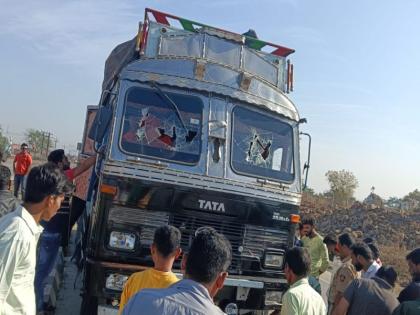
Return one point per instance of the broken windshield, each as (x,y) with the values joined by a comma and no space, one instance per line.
(151,126)
(261,145)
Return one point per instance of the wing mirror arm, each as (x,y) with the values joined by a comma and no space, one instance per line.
(306,166)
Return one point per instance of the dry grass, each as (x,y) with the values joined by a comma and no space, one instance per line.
(395,256)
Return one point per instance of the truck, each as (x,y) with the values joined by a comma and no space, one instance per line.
(194,128)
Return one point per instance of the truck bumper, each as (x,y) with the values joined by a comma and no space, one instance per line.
(107,310)
(245,292)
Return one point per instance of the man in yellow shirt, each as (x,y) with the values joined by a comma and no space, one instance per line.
(165,250)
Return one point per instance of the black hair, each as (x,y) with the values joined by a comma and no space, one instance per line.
(363,250)
(300,226)
(298,259)
(5,176)
(414,256)
(23,145)
(368,240)
(46,180)
(210,254)
(346,239)
(308,220)
(56,156)
(167,239)
(375,250)
(330,239)
(387,273)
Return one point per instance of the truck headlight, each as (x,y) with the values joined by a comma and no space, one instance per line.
(273,260)
(115,281)
(121,240)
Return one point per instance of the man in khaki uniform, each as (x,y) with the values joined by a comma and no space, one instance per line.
(345,274)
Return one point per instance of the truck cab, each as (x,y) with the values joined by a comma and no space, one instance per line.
(194,130)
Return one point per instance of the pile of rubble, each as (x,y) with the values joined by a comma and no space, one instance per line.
(390,227)
(395,230)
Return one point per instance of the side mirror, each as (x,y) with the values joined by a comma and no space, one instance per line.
(306,166)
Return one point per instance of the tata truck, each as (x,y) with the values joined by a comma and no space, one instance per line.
(194,128)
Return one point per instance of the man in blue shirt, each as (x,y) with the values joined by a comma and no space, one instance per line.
(206,268)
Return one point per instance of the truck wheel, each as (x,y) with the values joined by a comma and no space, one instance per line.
(89,305)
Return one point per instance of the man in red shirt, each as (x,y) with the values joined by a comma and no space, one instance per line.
(58,157)
(21,165)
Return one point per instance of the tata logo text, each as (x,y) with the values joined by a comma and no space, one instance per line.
(211,205)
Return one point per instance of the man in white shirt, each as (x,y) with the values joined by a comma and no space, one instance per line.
(362,259)
(300,298)
(19,234)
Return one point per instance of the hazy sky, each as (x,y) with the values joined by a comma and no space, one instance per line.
(357,68)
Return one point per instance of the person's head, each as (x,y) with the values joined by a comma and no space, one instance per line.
(297,264)
(45,188)
(24,148)
(375,250)
(413,260)
(208,259)
(59,158)
(388,274)
(5,177)
(361,256)
(368,240)
(345,242)
(308,224)
(166,245)
(331,242)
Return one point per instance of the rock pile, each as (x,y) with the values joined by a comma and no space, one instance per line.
(388,226)
(396,231)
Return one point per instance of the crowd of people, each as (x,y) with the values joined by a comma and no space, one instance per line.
(362,284)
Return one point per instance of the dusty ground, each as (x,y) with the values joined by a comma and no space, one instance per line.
(68,302)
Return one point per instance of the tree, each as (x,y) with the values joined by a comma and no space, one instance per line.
(414,195)
(342,186)
(4,144)
(41,142)
(393,202)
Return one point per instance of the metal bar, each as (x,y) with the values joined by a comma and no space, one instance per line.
(280,51)
(232,282)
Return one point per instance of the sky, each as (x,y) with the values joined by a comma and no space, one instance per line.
(357,66)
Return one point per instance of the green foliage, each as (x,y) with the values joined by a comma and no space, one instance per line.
(342,186)
(309,191)
(4,144)
(38,142)
(414,195)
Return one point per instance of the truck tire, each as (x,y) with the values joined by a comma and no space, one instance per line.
(89,305)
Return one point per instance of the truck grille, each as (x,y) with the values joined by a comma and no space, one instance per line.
(148,221)
(259,238)
(188,224)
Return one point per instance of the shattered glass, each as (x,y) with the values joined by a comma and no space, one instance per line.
(261,145)
(153,128)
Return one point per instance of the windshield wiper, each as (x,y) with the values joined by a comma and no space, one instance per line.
(190,135)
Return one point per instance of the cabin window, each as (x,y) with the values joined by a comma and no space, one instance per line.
(262,145)
(163,126)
